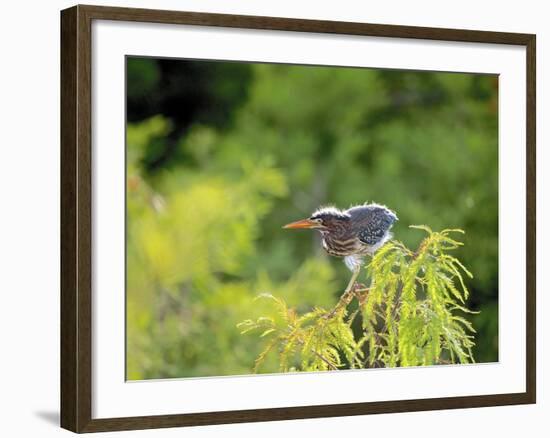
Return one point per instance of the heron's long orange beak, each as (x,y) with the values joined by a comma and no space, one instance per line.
(304,223)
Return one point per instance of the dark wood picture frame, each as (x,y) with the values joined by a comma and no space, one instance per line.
(76,218)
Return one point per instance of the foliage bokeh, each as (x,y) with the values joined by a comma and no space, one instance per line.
(220,155)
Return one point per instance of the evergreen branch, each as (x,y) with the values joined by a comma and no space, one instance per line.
(408,315)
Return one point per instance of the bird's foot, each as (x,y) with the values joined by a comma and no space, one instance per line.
(344,301)
(361,293)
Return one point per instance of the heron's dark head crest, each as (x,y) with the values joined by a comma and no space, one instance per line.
(329,217)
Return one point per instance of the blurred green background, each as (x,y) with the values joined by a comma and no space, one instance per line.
(220,155)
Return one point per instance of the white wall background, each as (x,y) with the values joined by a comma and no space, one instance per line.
(29,215)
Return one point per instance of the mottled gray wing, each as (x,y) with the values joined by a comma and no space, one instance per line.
(372,222)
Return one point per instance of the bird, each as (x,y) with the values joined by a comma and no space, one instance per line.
(354,233)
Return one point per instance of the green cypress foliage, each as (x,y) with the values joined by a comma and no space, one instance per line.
(413,313)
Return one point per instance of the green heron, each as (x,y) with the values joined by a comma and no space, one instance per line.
(352,233)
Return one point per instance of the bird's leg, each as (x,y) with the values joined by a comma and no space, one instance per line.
(351,283)
(347,295)
(360,291)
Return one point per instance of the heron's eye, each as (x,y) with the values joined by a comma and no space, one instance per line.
(317,219)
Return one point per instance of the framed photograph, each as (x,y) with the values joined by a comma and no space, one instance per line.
(270,218)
